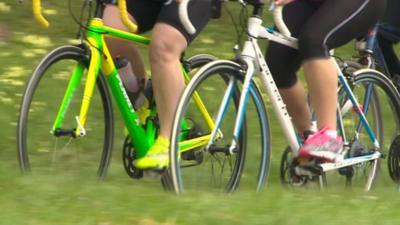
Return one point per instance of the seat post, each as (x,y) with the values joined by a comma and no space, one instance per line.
(100,6)
(258,8)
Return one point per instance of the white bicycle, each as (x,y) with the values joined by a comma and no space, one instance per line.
(365,97)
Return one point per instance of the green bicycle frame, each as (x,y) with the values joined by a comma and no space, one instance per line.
(101,60)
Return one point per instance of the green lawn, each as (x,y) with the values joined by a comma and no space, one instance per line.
(81,199)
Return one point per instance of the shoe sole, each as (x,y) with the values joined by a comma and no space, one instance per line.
(324,155)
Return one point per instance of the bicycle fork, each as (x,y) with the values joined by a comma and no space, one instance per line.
(248,57)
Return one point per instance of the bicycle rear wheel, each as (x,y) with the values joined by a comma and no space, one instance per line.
(196,166)
(376,96)
(40,151)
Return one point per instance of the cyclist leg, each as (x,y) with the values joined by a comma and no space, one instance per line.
(315,31)
(284,62)
(386,44)
(169,40)
(120,47)
(165,51)
(388,36)
(319,34)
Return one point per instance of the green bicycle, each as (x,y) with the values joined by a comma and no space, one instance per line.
(65,123)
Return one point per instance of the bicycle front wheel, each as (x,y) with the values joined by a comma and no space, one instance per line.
(376,96)
(191,65)
(44,149)
(201,161)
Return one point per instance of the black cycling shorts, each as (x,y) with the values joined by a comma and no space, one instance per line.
(319,27)
(149,12)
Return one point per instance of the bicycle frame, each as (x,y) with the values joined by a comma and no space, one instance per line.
(101,60)
(254,61)
(370,53)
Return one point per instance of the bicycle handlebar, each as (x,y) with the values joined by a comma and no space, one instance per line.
(37,12)
(277,15)
(184,17)
(279,22)
(124,16)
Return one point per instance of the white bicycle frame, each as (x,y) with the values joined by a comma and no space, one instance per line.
(253,57)
(255,61)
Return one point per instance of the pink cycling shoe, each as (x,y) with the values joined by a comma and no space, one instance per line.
(322,146)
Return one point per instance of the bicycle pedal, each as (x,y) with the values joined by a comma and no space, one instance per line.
(305,161)
(153,173)
(309,171)
(188,156)
(302,171)
(193,156)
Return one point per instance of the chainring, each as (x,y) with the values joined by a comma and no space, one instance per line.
(194,154)
(128,157)
(288,174)
(298,172)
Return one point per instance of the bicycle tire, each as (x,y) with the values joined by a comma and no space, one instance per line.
(386,100)
(192,65)
(351,68)
(54,67)
(223,71)
(197,61)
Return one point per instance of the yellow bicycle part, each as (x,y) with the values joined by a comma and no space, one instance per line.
(124,16)
(37,13)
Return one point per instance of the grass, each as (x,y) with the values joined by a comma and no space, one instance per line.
(81,199)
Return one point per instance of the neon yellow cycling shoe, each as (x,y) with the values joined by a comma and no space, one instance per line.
(157,157)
